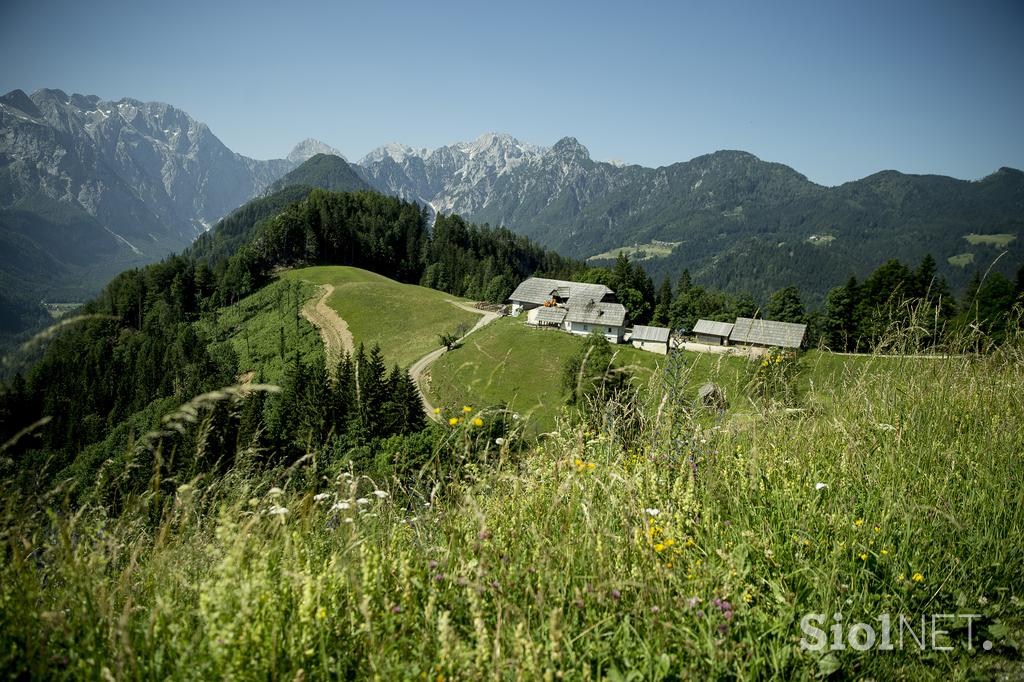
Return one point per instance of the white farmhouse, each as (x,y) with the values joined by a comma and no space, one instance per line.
(574,307)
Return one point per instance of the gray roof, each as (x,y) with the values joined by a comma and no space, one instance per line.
(550,315)
(712,328)
(538,289)
(592,312)
(768,333)
(658,334)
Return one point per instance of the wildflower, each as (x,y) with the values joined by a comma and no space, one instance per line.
(655,610)
(437,410)
(380,493)
(499,441)
(616,595)
(747,597)
(362,501)
(859,523)
(878,529)
(863,556)
(820,486)
(478,422)
(321,613)
(692,602)
(275,510)
(917,577)
(431,564)
(651,511)
(396,609)
(340,505)
(349,519)
(884,552)
(659,547)
(453,421)
(275,492)
(669,542)
(320,497)
(467,409)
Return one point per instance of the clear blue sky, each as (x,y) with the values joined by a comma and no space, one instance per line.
(838,90)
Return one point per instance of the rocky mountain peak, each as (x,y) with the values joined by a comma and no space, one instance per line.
(570,147)
(309,148)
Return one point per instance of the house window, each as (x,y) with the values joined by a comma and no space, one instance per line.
(609,330)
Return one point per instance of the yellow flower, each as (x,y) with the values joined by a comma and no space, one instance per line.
(747,597)
(321,613)
(778,360)
(668,565)
(590,465)
(878,529)
(884,552)
(467,409)
(659,547)
(669,542)
(859,522)
(437,410)
(453,421)
(917,577)
(478,422)
(863,556)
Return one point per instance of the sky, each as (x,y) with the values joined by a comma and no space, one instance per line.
(837,90)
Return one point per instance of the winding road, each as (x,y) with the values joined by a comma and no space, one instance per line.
(333,330)
(338,339)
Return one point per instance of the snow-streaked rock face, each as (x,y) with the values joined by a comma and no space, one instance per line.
(148,172)
(495,177)
(308,148)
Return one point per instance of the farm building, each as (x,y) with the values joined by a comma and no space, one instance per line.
(712,333)
(767,333)
(538,291)
(654,339)
(574,307)
(588,316)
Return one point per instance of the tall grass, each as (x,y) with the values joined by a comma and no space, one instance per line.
(642,540)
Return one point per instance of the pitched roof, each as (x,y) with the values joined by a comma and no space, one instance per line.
(592,312)
(539,289)
(712,328)
(550,315)
(658,334)
(768,333)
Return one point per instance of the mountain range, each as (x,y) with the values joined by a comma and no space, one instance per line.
(89,187)
(735,221)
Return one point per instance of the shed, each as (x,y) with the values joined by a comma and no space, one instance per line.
(654,339)
(549,317)
(712,333)
(768,333)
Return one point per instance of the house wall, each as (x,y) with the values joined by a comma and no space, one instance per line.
(519,306)
(652,346)
(613,334)
(712,340)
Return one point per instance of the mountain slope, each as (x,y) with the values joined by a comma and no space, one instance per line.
(738,222)
(89,187)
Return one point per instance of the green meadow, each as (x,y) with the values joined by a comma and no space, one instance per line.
(403,318)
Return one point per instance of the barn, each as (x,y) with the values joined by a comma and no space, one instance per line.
(767,333)
(654,339)
(712,333)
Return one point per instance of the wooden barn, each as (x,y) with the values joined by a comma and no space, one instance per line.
(712,333)
(653,339)
(767,333)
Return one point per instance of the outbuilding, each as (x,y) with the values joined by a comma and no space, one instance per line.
(712,333)
(653,339)
(767,333)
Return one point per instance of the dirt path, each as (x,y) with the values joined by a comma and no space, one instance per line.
(334,330)
(419,369)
